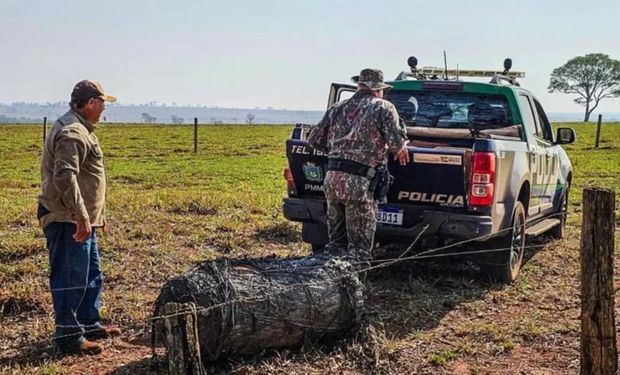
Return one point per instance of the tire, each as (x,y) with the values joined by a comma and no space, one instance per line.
(317,248)
(508,264)
(559,231)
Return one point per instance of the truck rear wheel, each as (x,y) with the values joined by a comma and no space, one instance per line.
(316,235)
(317,248)
(509,262)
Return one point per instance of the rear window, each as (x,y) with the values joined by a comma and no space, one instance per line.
(450,109)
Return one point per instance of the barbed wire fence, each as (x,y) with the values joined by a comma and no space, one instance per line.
(362,267)
(367,266)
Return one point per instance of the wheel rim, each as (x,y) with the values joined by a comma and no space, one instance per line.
(516,245)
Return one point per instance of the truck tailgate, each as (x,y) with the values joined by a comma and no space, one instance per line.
(436,177)
(308,167)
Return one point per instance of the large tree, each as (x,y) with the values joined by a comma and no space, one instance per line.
(593,77)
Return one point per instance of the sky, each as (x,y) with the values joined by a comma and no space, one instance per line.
(285,54)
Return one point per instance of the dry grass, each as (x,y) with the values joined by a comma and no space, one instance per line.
(170,209)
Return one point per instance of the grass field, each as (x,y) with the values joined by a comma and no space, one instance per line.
(169,208)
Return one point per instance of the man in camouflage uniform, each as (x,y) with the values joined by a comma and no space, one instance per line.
(356,134)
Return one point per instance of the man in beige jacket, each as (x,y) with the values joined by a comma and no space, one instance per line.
(71,208)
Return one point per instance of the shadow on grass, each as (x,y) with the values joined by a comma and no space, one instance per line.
(158,365)
(127,180)
(280,233)
(415,296)
(193,207)
(35,354)
(11,306)
(20,253)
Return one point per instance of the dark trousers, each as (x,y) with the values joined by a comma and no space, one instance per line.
(75,282)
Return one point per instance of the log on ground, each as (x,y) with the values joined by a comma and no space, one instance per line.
(247,306)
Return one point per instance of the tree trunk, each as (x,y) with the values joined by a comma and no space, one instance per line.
(246,306)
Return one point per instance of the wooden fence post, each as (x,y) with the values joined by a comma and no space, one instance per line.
(598,130)
(44,129)
(598,332)
(195,135)
(182,341)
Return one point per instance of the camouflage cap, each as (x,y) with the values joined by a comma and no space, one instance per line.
(371,78)
(86,89)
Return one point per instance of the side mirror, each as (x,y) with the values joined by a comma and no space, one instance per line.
(565,136)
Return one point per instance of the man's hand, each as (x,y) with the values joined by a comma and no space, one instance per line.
(82,230)
(403,154)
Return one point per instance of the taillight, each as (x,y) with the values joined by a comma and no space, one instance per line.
(290,183)
(482,179)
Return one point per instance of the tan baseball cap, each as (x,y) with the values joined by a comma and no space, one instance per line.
(87,89)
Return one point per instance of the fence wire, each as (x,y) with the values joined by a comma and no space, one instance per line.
(367,266)
(380,263)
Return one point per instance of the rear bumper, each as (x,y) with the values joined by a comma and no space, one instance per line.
(437,223)
(305,210)
(440,224)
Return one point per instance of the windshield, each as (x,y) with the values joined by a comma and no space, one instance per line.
(451,109)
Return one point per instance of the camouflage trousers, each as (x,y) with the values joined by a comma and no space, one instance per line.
(351,215)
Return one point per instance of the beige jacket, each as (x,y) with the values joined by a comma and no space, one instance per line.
(73,181)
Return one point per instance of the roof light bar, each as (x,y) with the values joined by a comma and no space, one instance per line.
(434,73)
(430,71)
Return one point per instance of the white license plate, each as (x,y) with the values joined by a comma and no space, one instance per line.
(390,216)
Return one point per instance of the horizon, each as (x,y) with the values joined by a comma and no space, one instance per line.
(244,54)
(169,114)
(206,106)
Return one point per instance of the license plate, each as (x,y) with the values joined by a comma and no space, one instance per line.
(391,216)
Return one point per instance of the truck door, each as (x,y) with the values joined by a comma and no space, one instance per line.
(551,170)
(536,154)
(338,92)
(308,166)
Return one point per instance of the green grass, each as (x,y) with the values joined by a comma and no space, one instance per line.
(592,166)
(169,208)
(443,358)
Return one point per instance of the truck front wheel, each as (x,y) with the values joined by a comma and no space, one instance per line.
(559,231)
(510,248)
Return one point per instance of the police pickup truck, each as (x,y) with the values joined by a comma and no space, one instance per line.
(485,166)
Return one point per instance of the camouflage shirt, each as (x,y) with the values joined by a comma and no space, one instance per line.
(73,182)
(362,129)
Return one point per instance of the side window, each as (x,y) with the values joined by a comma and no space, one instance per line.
(528,115)
(539,132)
(544,122)
(339,92)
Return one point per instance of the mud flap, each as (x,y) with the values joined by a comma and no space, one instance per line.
(314,233)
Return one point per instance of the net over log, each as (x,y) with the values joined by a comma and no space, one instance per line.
(248,306)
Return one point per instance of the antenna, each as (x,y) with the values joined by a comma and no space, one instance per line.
(445,64)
